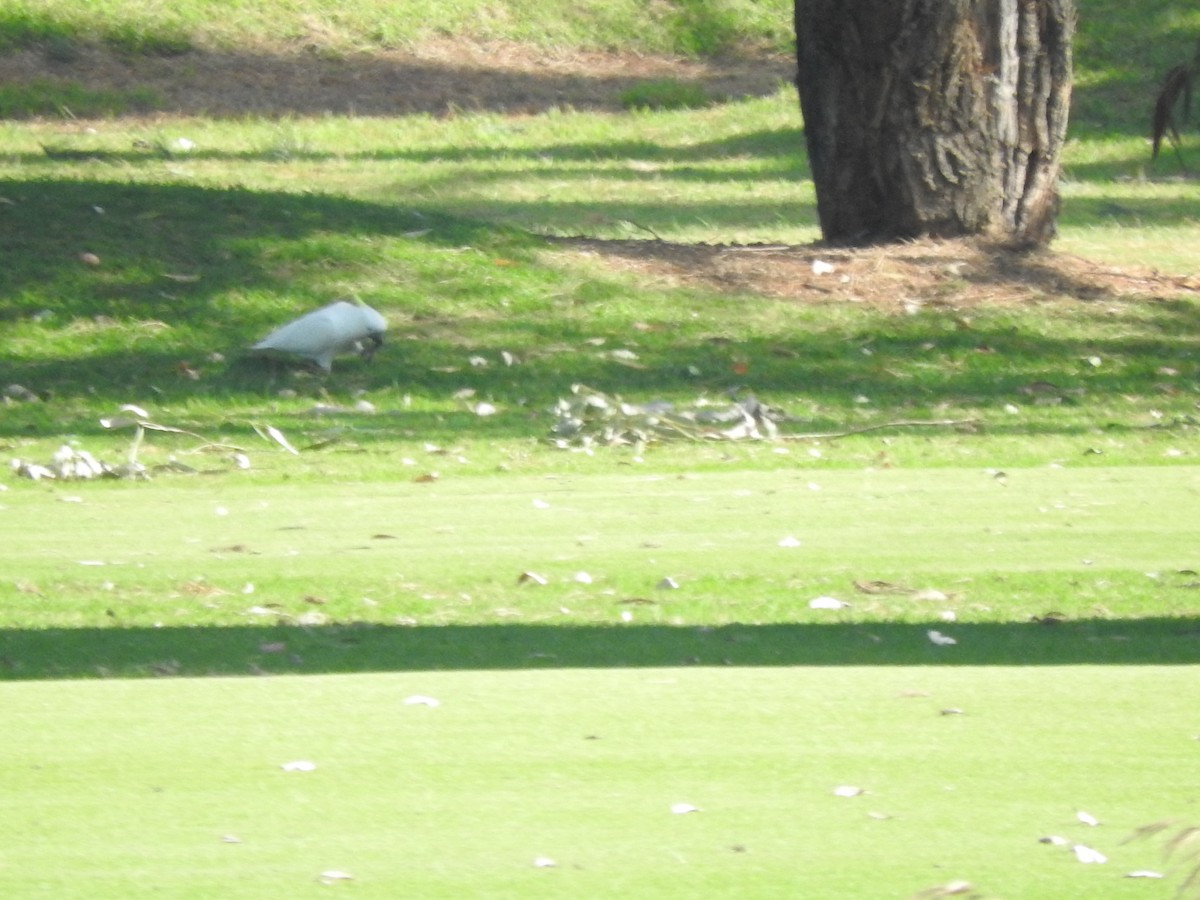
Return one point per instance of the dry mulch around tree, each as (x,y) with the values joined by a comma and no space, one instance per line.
(952,275)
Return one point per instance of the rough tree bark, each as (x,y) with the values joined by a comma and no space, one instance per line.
(935,117)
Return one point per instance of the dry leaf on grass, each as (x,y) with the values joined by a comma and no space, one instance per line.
(422,700)
(1087,855)
(271,433)
(827,603)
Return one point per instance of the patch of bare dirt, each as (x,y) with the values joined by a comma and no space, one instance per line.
(438,78)
(953,275)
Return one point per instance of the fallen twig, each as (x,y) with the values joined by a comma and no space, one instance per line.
(899,423)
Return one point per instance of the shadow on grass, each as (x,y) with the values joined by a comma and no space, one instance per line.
(187,272)
(59,653)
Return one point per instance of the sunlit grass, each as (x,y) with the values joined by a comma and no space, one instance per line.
(1051,533)
(174,786)
(336,27)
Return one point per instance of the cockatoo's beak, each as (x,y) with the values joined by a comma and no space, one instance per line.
(368,347)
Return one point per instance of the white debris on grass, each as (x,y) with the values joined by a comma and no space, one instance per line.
(590,418)
(827,603)
(1088,856)
(422,700)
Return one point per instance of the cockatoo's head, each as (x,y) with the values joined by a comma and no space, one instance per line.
(376,325)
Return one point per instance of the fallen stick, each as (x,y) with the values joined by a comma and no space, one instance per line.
(901,423)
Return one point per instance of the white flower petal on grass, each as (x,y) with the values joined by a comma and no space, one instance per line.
(540,504)
(582,578)
(668,584)
(1087,855)
(299,765)
(544,862)
(1144,873)
(626,616)
(942,640)
(1087,818)
(827,603)
(1054,839)
(848,790)
(681,809)
(330,876)
(421,700)
(789,541)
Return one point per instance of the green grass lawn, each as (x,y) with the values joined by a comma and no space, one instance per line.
(175,787)
(396,576)
(166,646)
(574,714)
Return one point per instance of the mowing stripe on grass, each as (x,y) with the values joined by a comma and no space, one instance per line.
(138,788)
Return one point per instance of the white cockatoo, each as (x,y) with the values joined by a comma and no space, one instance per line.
(319,336)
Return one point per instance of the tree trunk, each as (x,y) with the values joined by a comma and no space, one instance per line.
(935,117)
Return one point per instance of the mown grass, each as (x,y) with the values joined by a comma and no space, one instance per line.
(403,572)
(691,27)
(202,251)
(384,560)
(178,788)
(1121,51)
